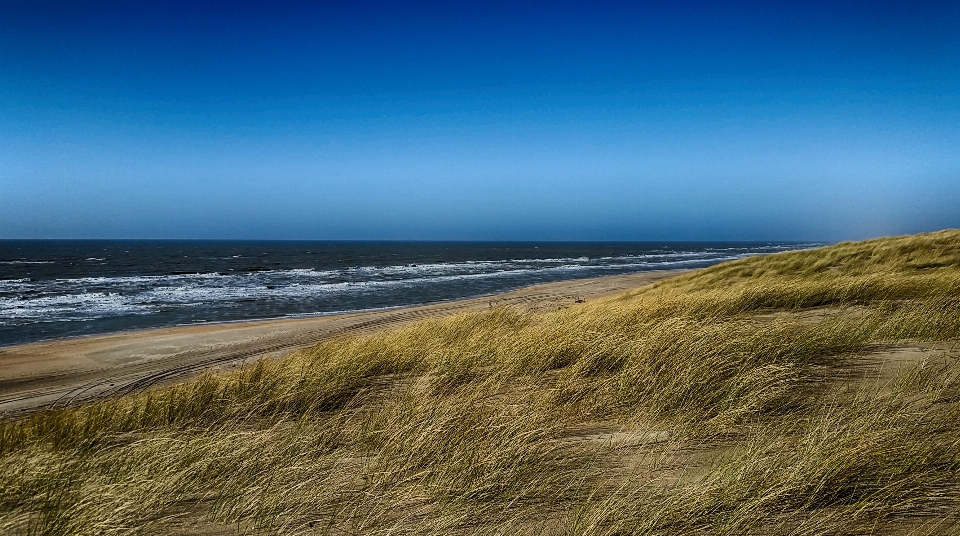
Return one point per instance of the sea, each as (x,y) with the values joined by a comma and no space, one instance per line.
(64,288)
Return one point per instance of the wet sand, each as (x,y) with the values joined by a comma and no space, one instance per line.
(70,371)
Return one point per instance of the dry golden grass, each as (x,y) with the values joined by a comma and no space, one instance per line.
(739,399)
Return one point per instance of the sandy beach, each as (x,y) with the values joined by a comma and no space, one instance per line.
(70,371)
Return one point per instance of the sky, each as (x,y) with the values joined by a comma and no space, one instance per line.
(479,120)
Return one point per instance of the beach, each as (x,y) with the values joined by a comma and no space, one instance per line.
(81,369)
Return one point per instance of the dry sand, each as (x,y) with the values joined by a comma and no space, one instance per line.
(69,371)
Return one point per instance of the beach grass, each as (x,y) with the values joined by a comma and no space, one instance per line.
(806,392)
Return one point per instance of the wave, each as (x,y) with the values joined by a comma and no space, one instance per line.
(76,306)
(193,292)
(361,273)
(266,293)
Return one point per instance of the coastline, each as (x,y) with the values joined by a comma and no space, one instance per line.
(81,369)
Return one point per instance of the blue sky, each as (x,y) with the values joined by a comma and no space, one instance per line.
(486,120)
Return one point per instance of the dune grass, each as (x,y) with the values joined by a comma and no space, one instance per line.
(746,398)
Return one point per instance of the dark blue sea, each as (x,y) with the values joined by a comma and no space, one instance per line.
(53,288)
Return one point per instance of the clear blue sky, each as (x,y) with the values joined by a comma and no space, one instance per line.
(485,120)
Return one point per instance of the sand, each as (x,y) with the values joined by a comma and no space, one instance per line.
(82,369)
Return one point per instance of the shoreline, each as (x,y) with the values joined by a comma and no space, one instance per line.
(309,316)
(214,323)
(72,370)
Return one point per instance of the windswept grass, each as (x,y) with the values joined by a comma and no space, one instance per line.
(744,398)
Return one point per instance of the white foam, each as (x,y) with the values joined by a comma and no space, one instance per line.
(367,273)
(86,305)
(25,300)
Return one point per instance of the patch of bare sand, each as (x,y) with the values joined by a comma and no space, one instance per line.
(39,375)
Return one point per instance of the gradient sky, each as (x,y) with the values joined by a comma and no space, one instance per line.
(487,120)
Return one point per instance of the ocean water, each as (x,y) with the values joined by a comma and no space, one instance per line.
(52,288)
